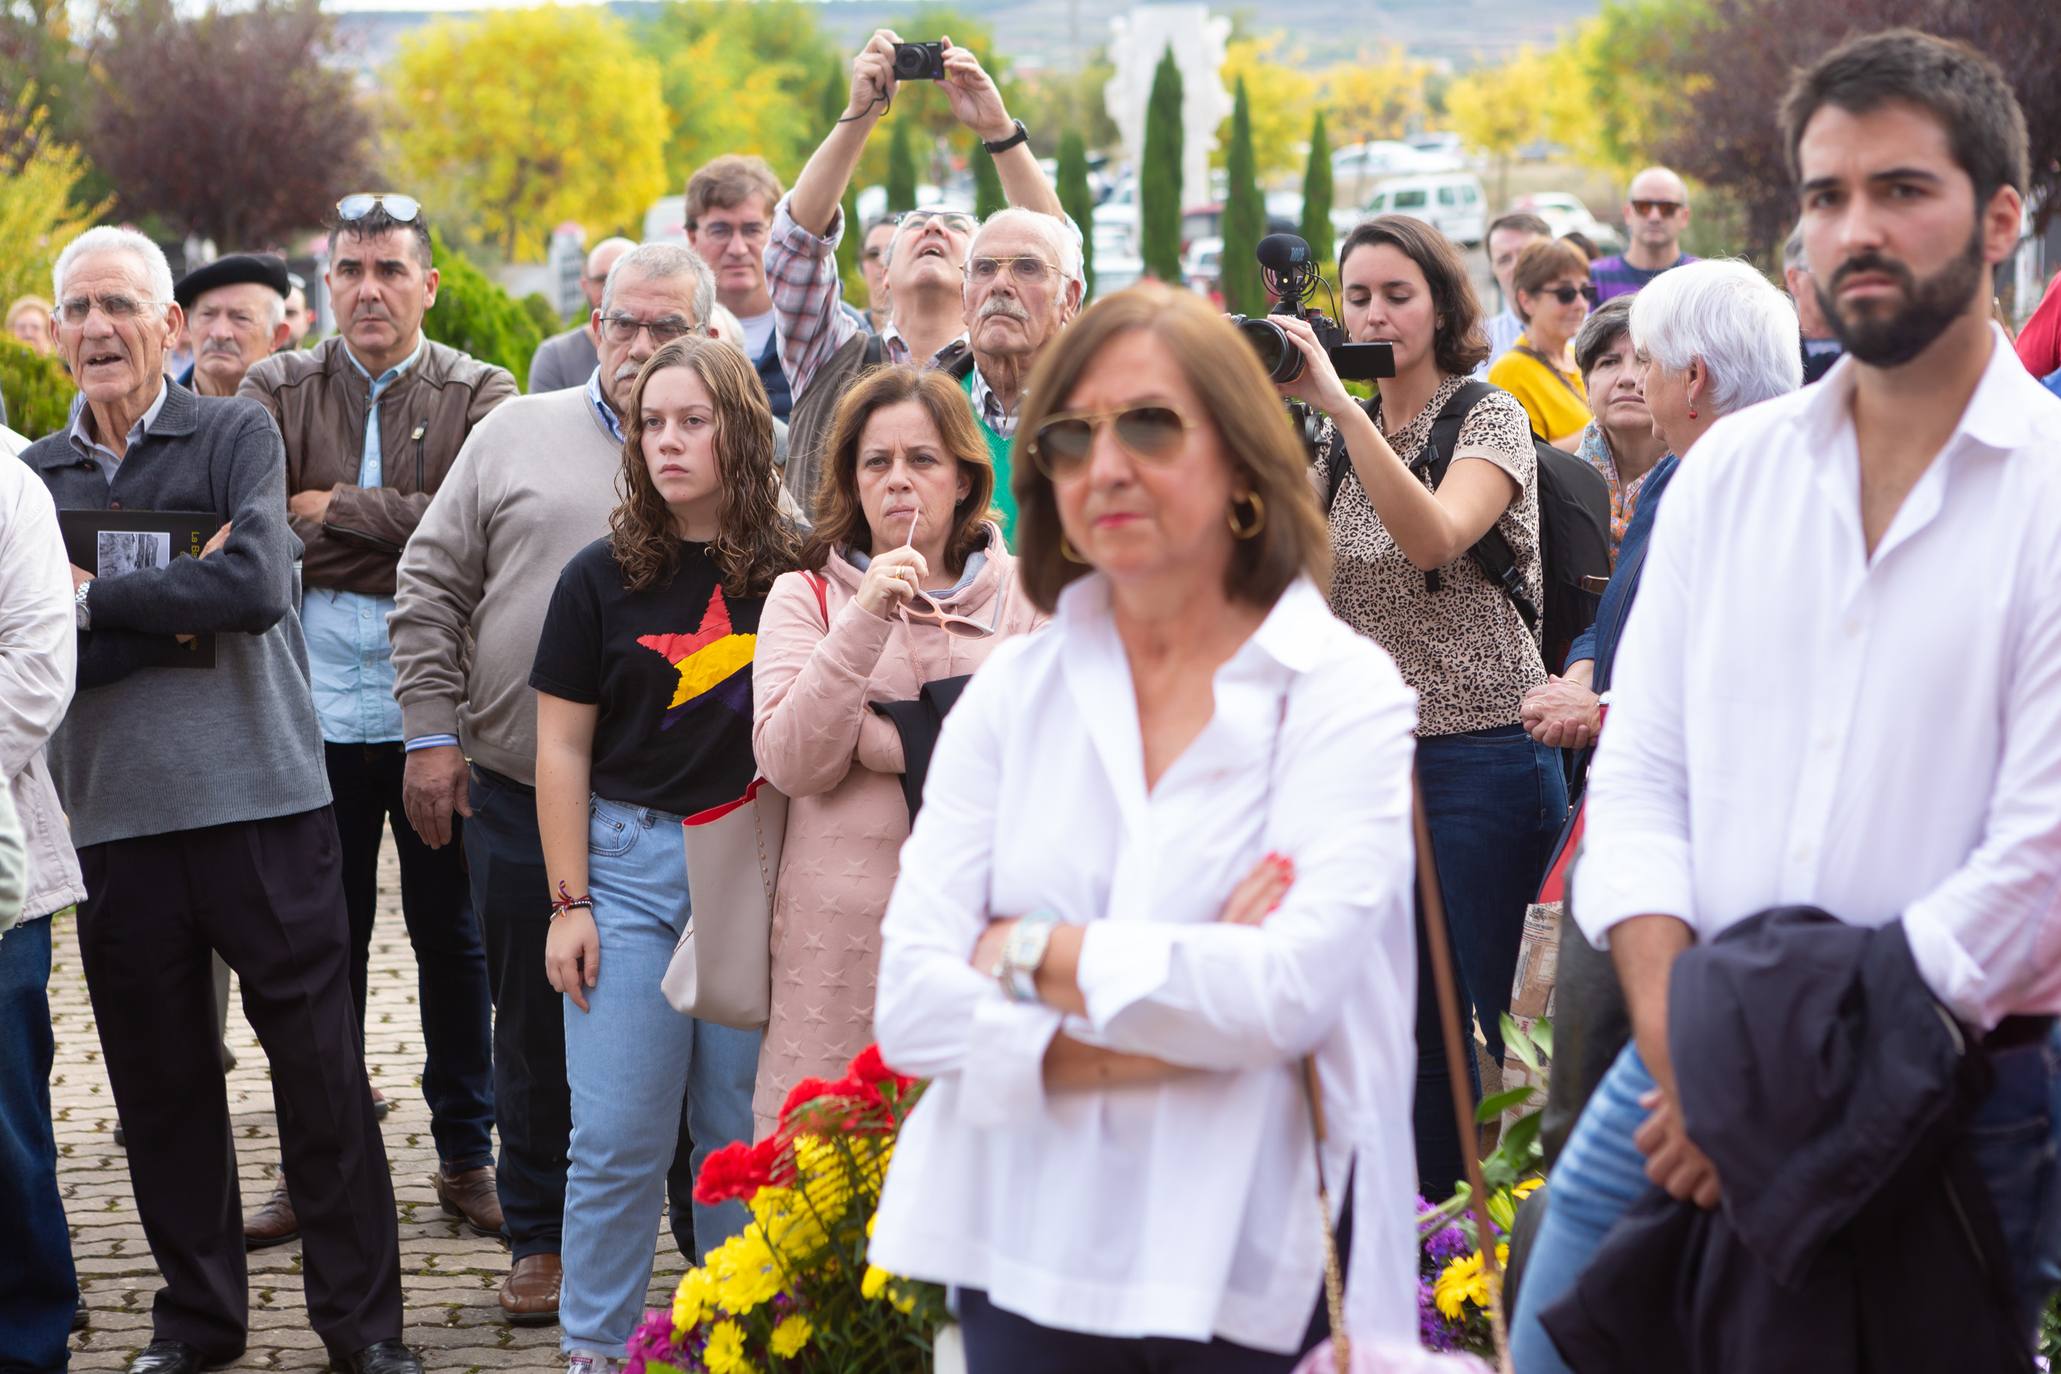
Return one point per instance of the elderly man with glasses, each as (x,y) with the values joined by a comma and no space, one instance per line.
(373,419)
(190,769)
(533,485)
(824,350)
(1656,213)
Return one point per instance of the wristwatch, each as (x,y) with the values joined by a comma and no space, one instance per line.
(1003,145)
(81,612)
(1022,953)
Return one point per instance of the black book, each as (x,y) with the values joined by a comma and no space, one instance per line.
(115,543)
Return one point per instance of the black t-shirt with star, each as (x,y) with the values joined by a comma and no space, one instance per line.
(670,669)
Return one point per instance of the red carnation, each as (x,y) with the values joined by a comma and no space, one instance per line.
(805,1092)
(867,1066)
(737,1171)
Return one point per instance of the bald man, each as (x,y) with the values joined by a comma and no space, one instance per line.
(1656,212)
(568,359)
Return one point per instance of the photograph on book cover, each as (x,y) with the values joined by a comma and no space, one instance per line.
(127,551)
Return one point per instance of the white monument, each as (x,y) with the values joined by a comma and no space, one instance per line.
(1137,41)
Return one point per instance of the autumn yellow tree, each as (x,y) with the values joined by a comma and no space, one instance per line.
(1497,110)
(1281,96)
(1378,95)
(740,79)
(38,178)
(509,124)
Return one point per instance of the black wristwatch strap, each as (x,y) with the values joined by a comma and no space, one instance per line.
(1022,135)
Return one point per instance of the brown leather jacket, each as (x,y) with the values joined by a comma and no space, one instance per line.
(318,398)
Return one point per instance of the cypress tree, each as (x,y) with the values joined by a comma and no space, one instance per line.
(1316,196)
(987,181)
(1245,217)
(836,94)
(1075,200)
(1159,179)
(901,169)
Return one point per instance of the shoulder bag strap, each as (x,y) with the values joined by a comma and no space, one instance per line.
(1561,377)
(821,588)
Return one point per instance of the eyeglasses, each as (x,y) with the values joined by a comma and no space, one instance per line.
(1664,208)
(624,329)
(958,221)
(722,231)
(1566,294)
(404,209)
(118,308)
(1025,269)
(1061,445)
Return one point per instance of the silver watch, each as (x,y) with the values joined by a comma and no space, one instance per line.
(1022,954)
(82,612)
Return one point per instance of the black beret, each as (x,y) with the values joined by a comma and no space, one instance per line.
(266,269)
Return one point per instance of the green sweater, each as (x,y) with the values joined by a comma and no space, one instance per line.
(999,447)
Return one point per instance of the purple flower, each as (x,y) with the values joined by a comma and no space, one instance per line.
(1447,1244)
(1432,1331)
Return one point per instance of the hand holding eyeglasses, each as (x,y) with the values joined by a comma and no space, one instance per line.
(894,576)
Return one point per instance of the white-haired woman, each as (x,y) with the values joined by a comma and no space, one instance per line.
(1715,338)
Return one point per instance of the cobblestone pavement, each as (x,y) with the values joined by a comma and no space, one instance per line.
(450,1277)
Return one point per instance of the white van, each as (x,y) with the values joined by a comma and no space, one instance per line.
(1449,201)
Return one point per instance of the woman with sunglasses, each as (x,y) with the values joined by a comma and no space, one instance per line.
(644,687)
(1164,855)
(1494,800)
(906,581)
(1552,295)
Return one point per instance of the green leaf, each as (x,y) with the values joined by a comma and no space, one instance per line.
(1518,1041)
(1496,1104)
(1542,1036)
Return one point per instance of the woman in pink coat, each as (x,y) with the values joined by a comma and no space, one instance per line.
(907,582)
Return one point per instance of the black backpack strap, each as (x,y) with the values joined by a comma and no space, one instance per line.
(1492,552)
(875,353)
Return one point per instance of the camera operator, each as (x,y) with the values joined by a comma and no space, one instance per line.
(1493,799)
(822,349)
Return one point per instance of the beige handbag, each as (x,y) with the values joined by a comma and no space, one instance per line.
(722,969)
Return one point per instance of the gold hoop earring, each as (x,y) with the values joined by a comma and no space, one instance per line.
(1252,524)
(1066,552)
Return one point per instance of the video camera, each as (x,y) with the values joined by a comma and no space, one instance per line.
(1291,274)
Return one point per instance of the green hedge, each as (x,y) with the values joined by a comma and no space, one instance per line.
(38,389)
(475,316)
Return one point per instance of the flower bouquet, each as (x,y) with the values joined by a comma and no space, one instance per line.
(794,1290)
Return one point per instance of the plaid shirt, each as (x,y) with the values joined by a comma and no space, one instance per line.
(1003,422)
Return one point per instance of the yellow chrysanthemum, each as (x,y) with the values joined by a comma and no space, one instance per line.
(725,1351)
(790,1335)
(692,1300)
(1527,1188)
(1463,1281)
(744,1273)
(875,1282)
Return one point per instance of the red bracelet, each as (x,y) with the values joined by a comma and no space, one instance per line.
(565,902)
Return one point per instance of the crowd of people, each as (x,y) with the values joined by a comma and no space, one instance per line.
(1103,704)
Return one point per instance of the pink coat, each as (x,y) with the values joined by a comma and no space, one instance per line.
(840,762)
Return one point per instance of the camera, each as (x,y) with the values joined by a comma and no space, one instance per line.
(1285,263)
(919,61)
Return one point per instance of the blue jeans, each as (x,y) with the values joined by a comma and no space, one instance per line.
(39,1290)
(630,1059)
(1494,802)
(1601,1174)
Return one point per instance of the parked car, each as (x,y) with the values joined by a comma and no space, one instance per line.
(1566,214)
(1449,201)
(1358,167)
(1202,266)
(1114,274)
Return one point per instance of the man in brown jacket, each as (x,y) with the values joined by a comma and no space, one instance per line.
(373,419)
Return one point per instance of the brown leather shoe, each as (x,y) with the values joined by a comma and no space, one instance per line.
(529,1295)
(274,1223)
(470,1193)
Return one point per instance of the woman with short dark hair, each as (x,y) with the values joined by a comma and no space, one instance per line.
(1404,577)
(1620,443)
(1164,855)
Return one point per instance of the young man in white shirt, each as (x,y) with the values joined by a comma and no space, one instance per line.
(1841,686)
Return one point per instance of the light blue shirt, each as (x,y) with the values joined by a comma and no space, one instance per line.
(348,651)
(1502,330)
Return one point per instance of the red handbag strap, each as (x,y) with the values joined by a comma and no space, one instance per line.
(821,586)
(1554,888)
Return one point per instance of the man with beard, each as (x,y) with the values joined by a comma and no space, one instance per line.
(823,348)
(1892,752)
(533,485)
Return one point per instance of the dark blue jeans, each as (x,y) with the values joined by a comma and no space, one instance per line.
(1494,802)
(39,1290)
(450,962)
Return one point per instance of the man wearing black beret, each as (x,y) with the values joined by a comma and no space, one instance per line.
(235,314)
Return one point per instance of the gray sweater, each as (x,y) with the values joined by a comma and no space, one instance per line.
(147,750)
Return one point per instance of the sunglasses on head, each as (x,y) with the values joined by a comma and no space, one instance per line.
(1643,208)
(1061,445)
(1566,294)
(403,209)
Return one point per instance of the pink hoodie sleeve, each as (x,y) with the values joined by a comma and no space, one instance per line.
(811,688)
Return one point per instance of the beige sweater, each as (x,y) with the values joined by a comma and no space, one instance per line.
(533,486)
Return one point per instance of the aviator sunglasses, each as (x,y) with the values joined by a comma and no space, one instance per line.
(1061,445)
(403,209)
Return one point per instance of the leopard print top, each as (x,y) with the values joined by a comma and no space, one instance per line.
(1463,647)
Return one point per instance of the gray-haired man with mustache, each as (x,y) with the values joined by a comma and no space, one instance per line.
(533,486)
(373,420)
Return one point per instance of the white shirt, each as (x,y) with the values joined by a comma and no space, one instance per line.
(1502,329)
(1185,1208)
(1794,722)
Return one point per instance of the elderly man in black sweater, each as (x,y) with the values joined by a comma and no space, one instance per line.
(200,809)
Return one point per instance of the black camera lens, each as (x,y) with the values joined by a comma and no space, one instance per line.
(1281,358)
(919,61)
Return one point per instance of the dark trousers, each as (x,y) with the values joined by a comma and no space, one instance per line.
(1494,802)
(268,896)
(450,961)
(532,1103)
(39,1289)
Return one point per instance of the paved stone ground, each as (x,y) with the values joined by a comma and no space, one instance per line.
(450,1276)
